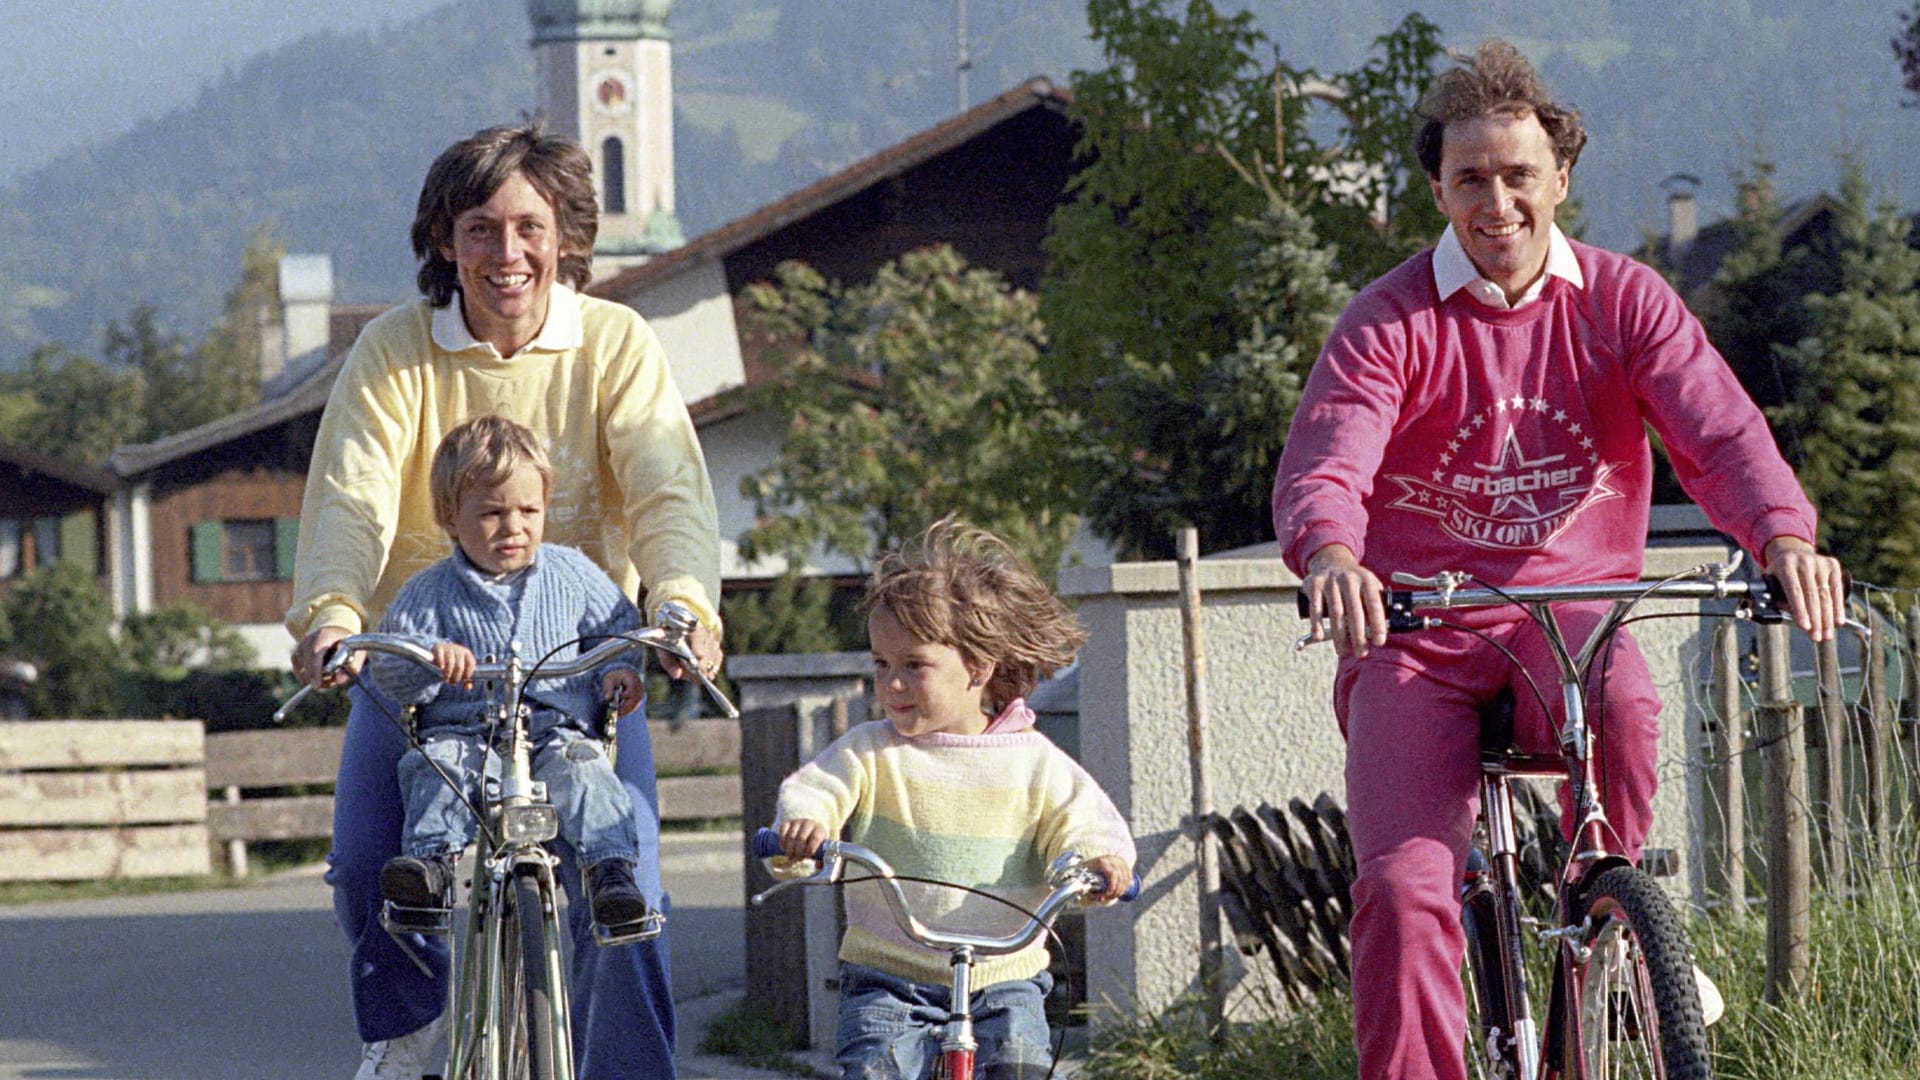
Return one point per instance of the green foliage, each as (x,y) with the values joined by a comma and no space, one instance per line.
(60,624)
(910,398)
(80,409)
(1313,1043)
(797,615)
(1855,413)
(171,639)
(1154,323)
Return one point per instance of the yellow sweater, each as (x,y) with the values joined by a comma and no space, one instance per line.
(630,486)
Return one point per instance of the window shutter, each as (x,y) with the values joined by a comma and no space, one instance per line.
(286,539)
(206,551)
(77,542)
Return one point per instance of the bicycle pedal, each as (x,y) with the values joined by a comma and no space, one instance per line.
(399,919)
(641,929)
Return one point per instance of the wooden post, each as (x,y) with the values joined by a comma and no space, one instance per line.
(1784,796)
(1876,717)
(1830,793)
(236,847)
(1727,868)
(1212,983)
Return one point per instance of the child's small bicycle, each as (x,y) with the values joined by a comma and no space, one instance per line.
(1068,877)
(509,1016)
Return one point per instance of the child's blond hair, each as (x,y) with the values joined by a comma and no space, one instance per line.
(484,451)
(962,586)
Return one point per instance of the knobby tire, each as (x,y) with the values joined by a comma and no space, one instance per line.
(1639,967)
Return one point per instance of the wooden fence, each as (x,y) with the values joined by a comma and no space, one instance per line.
(1807,764)
(87,799)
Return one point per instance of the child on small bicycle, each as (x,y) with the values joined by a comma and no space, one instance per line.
(954,785)
(502,588)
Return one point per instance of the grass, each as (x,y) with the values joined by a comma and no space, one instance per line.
(758,1040)
(1858,1020)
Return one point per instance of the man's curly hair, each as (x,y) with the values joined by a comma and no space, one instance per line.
(1495,80)
(962,586)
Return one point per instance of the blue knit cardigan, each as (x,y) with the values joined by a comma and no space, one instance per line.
(566,596)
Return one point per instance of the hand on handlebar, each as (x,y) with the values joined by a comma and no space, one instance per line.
(456,663)
(1115,874)
(1814,584)
(1345,601)
(800,838)
(310,657)
(622,688)
(706,651)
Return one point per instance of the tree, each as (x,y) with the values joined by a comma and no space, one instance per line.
(795,616)
(912,397)
(1856,408)
(1145,293)
(1906,50)
(60,623)
(81,409)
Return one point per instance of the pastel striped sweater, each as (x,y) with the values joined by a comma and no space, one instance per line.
(988,811)
(564,596)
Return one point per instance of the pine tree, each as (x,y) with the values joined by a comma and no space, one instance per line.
(1856,411)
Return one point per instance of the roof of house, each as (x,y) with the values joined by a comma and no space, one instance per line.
(86,477)
(1037,92)
(1695,266)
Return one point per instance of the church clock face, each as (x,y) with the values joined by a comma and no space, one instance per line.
(612,93)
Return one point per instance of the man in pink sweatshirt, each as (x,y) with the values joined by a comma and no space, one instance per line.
(1483,407)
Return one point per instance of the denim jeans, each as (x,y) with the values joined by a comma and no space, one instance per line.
(596,816)
(890,1028)
(623,1020)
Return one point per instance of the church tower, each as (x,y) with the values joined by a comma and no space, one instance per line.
(606,78)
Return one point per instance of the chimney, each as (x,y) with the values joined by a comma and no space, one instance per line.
(1683,214)
(306,303)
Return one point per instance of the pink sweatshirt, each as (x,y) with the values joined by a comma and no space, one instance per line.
(1511,444)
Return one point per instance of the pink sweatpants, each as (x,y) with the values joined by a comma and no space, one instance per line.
(1408,711)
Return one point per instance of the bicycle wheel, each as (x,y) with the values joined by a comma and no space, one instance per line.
(1489,1028)
(1633,1009)
(536,979)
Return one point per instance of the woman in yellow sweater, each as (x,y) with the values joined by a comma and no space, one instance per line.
(504,233)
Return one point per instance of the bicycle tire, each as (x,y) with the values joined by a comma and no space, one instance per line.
(1637,965)
(1487,1020)
(535,978)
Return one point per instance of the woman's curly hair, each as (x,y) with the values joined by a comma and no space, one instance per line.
(962,586)
(1495,80)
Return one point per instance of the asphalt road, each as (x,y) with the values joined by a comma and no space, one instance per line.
(250,983)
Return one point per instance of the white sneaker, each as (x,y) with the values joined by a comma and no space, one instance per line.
(404,1058)
(1712,1005)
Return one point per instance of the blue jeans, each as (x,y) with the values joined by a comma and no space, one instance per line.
(890,1028)
(623,1023)
(596,816)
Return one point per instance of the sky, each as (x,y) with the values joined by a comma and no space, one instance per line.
(82,71)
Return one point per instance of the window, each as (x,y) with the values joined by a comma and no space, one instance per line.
(613,167)
(243,549)
(26,544)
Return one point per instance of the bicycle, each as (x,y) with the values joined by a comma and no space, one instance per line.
(1067,876)
(1623,1001)
(509,1018)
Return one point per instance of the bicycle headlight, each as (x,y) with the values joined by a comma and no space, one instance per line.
(529,824)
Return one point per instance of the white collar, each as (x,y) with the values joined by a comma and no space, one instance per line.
(560,332)
(1453,270)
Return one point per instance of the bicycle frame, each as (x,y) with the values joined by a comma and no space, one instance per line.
(1067,875)
(1517,1049)
(513,877)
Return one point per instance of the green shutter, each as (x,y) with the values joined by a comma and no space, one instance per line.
(76,541)
(206,551)
(286,538)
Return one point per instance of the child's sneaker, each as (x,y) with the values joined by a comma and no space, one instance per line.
(617,901)
(418,882)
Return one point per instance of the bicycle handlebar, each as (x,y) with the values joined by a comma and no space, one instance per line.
(1070,880)
(668,637)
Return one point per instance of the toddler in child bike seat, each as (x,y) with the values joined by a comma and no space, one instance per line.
(955,785)
(501,588)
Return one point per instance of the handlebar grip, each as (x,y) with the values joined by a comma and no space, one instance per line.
(766,844)
(1133,890)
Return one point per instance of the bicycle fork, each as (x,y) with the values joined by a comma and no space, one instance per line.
(1515,1043)
(958,1046)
